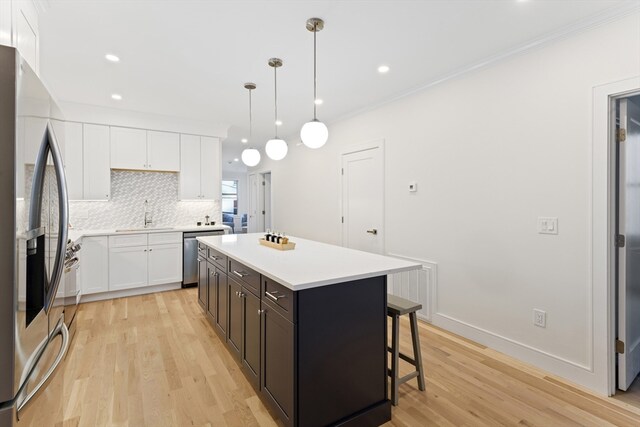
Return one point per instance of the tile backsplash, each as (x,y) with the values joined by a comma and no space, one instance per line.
(129,190)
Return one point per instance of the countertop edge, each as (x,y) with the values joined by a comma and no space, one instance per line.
(78,234)
(328,282)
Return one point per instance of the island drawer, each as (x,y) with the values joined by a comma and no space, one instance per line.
(250,278)
(218,258)
(280,298)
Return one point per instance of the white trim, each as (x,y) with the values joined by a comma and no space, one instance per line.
(131,292)
(355,148)
(602,229)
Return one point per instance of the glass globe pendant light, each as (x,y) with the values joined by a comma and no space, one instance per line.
(276,148)
(314,134)
(250,156)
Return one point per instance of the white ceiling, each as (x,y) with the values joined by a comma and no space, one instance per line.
(190,58)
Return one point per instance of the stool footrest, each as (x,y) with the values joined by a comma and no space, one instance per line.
(408,377)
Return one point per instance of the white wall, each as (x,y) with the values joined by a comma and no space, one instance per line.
(136,119)
(491,151)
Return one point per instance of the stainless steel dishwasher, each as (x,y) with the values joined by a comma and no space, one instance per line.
(190,256)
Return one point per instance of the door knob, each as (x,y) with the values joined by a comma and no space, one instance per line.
(372,231)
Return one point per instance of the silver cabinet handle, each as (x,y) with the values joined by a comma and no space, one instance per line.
(372,231)
(274,297)
(260,312)
(213,257)
(240,273)
(200,259)
(150,250)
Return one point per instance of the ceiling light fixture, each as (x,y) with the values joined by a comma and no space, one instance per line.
(244,140)
(116,96)
(276,148)
(383,69)
(318,101)
(314,134)
(250,156)
(111,57)
(236,159)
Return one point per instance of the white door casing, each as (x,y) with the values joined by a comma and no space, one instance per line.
(253,203)
(362,172)
(629,255)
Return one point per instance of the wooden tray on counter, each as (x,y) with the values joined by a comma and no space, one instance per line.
(280,246)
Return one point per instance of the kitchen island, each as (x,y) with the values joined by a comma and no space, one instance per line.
(307,326)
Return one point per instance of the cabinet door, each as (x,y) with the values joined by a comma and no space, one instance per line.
(210,168)
(128,148)
(127,267)
(163,151)
(27,37)
(278,362)
(212,285)
(234,328)
(190,167)
(251,336)
(222,303)
(203,283)
(94,264)
(165,264)
(96,172)
(73,160)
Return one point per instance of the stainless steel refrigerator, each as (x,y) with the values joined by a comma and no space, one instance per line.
(33,237)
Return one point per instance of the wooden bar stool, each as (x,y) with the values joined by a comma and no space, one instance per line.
(397,307)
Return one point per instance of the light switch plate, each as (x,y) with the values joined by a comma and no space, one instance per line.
(413,187)
(547,225)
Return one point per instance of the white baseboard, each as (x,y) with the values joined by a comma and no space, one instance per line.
(131,292)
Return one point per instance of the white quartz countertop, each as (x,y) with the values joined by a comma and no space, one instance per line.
(311,264)
(77,234)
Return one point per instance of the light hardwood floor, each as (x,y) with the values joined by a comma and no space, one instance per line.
(154,361)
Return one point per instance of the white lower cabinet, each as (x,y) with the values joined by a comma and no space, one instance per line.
(165,264)
(127,267)
(94,265)
(138,260)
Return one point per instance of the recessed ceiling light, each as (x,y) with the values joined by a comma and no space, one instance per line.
(236,159)
(111,57)
(244,140)
(116,96)
(383,69)
(278,122)
(318,101)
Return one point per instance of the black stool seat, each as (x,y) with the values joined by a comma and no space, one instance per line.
(396,307)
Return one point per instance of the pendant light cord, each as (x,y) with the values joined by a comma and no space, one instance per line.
(250,118)
(275,85)
(315,79)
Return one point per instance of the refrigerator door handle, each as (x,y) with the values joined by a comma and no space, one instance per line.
(50,144)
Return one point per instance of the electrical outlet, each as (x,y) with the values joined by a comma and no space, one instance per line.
(547,225)
(539,318)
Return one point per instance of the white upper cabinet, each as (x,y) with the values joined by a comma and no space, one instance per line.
(163,151)
(73,160)
(138,149)
(210,168)
(190,167)
(200,168)
(96,170)
(128,148)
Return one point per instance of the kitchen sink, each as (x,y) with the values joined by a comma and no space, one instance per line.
(129,230)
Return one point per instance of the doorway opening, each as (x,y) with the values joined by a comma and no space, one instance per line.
(260,212)
(626,239)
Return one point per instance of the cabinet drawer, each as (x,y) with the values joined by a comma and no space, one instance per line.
(282,299)
(249,278)
(218,258)
(164,238)
(126,240)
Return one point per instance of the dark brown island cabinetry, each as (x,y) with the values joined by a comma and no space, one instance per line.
(316,356)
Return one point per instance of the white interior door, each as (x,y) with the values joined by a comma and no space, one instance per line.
(629,254)
(267,201)
(363,200)
(253,204)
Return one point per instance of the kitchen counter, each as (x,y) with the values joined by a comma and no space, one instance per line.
(311,264)
(77,234)
(308,326)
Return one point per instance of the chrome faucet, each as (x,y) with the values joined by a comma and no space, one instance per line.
(148,216)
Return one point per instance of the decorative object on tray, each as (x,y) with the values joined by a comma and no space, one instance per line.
(277,240)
